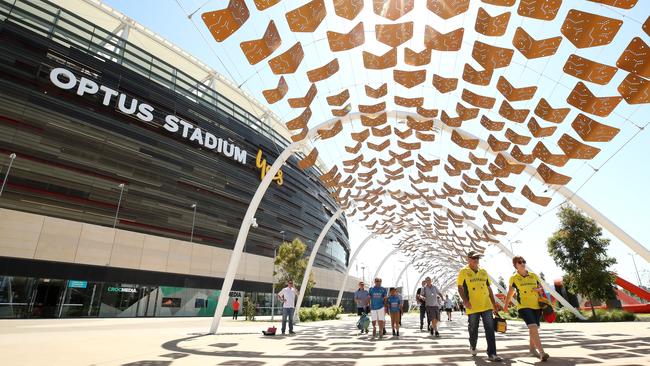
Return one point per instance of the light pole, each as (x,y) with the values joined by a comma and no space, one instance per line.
(273,285)
(513,242)
(193,218)
(119,201)
(282,232)
(12,157)
(635,269)
(363,271)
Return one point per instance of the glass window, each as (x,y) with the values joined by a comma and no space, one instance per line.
(15,296)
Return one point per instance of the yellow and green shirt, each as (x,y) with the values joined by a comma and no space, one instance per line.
(526,286)
(476,285)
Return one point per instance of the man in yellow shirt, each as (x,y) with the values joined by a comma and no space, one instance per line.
(474,288)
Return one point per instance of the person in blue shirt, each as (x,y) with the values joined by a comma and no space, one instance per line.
(394,307)
(377,308)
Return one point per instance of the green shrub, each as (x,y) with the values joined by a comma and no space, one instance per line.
(565,316)
(316,313)
(250,310)
(602,315)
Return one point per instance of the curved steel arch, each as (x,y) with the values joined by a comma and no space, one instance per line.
(352,259)
(383,261)
(313,132)
(312,257)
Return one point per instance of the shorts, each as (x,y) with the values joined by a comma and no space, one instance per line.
(448,310)
(530,316)
(362,310)
(433,313)
(378,315)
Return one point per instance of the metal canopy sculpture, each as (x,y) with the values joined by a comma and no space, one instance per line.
(439,111)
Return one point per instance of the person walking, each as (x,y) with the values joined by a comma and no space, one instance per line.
(527,285)
(235,309)
(288,298)
(430,294)
(474,288)
(394,307)
(448,307)
(377,307)
(423,308)
(362,299)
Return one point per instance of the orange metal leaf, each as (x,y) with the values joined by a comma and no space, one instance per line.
(589,30)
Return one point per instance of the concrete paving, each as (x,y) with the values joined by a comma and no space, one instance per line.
(174,341)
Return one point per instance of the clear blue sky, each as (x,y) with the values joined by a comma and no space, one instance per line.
(619,189)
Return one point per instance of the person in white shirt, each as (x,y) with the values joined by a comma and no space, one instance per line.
(432,299)
(288,298)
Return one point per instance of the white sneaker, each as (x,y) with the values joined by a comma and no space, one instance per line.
(472,351)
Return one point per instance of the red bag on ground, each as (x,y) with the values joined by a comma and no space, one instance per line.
(270,331)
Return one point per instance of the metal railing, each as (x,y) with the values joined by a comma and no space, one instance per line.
(69,29)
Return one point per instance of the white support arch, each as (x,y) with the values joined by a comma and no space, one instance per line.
(235,257)
(401,274)
(313,134)
(347,270)
(312,257)
(383,261)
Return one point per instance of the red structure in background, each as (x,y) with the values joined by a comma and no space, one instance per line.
(628,302)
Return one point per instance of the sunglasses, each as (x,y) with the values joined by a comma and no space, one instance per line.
(521,262)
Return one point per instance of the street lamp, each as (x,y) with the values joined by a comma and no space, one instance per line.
(12,157)
(637,271)
(119,201)
(513,242)
(282,232)
(193,220)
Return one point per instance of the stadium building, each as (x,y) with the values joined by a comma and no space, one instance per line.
(127,166)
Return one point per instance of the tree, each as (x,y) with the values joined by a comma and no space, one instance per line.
(502,283)
(579,249)
(291,264)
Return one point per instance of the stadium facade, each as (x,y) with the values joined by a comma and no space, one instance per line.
(133,167)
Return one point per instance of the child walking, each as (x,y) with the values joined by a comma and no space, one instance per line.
(394,306)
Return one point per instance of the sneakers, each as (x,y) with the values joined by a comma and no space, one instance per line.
(495,358)
(472,351)
(544,357)
(292,332)
(534,352)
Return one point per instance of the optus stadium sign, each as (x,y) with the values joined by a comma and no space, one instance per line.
(64,79)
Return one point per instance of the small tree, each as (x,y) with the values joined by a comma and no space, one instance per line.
(250,310)
(502,283)
(579,249)
(291,264)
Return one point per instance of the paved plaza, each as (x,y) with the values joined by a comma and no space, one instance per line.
(173,341)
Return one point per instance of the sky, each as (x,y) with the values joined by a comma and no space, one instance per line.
(618,188)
